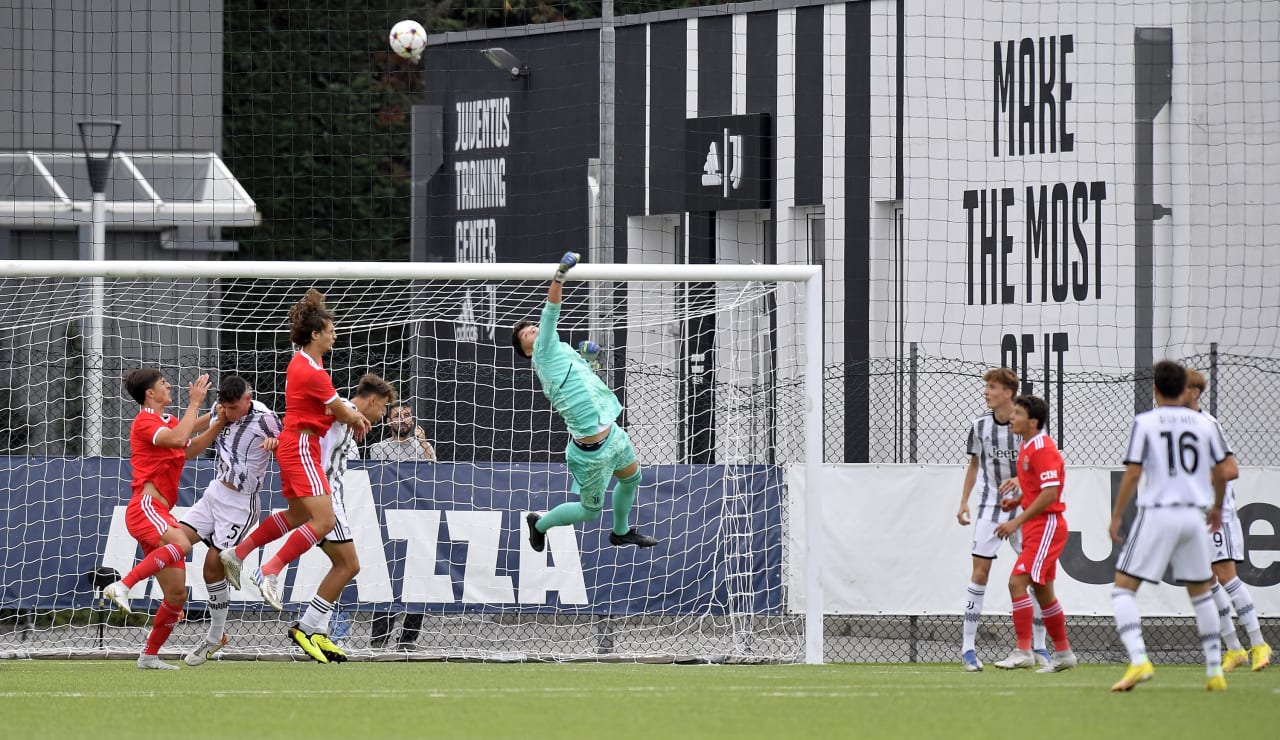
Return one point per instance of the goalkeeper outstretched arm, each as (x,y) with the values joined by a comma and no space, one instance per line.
(527,337)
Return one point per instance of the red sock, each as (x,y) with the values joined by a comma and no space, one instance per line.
(272,528)
(1023,616)
(167,617)
(303,538)
(152,564)
(1055,623)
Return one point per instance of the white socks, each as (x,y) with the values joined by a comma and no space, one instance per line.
(972,615)
(316,618)
(1226,626)
(1129,623)
(1245,612)
(1208,625)
(219,605)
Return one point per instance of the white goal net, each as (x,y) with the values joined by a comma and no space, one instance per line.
(718,379)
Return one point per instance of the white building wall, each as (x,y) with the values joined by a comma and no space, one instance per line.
(1216,147)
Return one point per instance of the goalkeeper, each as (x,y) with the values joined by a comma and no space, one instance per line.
(598,449)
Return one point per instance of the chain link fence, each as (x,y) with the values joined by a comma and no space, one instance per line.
(919,409)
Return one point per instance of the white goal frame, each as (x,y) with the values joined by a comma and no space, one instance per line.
(808,277)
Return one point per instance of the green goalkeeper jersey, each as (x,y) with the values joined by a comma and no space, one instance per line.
(575,392)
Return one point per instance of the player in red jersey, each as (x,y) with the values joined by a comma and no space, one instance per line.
(311,406)
(157,442)
(1041,478)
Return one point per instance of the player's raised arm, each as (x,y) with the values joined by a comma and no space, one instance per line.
(567,262)
(214,424)
(179,436)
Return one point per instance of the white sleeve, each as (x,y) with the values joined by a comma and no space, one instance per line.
(1136,450)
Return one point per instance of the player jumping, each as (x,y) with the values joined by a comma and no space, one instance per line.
(598,448)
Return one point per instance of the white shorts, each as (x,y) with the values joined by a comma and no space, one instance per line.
(1175,538)
(1228,542)
(985,542)
(341,531)
(223,516)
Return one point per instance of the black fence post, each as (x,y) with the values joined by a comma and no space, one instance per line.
(1213,379)
(915,422)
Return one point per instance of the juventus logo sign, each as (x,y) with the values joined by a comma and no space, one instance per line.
(728,163)
(713,172)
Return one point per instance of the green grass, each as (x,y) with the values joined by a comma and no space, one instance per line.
(373,701)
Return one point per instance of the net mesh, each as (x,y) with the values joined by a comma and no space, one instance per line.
(442,544)
(1069,189)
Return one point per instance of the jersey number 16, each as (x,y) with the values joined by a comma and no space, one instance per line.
(1187,455)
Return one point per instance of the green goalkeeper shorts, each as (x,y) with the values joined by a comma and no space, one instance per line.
(592,470)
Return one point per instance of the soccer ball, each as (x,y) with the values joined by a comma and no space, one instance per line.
(408,39)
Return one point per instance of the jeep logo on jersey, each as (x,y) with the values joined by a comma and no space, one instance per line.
(727,163)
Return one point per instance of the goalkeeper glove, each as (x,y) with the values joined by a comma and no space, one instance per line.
(590,352)
(566,263)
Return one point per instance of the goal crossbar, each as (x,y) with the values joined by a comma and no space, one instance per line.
(401,270)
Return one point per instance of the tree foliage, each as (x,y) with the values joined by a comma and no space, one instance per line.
(316,126)
(316,115)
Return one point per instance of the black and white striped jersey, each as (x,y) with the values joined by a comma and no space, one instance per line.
(996,448)
(1177,448)
(336,447)
(1229,500)
(241,460)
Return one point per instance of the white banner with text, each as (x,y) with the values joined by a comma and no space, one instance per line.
(894,546)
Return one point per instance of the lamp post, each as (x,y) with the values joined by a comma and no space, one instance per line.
(93,135)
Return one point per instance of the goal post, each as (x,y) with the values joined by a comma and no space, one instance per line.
(719,368)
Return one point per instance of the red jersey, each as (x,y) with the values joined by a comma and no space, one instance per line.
(307,393)
(1040,465)
(160,466)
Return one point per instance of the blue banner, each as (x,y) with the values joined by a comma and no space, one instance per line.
(433,537)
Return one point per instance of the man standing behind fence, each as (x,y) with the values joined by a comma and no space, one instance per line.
(407,442)
(993,451)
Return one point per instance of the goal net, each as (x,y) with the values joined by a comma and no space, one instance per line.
(719,396)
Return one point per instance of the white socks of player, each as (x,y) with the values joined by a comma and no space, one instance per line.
(1124,605)
(1245,611)
(219,605)
(316,617)
(1208,625)
(972,615)
(973,601)
(1037,627)
(1226,626)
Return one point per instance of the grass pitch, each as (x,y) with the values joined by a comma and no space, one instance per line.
(375,701)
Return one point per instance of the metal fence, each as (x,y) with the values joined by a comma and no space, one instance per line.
(919,409)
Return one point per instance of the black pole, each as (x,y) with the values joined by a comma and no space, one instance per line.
(1153,88)
(1213,378)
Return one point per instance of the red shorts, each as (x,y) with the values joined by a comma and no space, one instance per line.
(148,518)
(301,473)
(1043,539)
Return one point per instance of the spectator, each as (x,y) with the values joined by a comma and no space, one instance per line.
(407,441)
